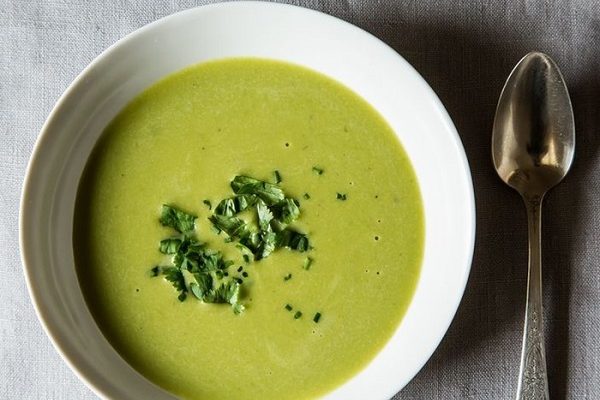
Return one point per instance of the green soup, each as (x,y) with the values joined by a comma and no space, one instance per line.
(181,142)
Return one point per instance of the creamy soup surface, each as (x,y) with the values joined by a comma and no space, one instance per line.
(181,142)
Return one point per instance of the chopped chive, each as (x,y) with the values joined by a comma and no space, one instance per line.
(306,196)
(317,317)
(246,258)
(182,296)
(341,196)
(238,280)
(307,263)
(277,176)
(240,268)
(245,274)
(155,271)
(225,273)
(288,307)
(298,314)
(317,170)
(238,308)
(287,277)
(207,202)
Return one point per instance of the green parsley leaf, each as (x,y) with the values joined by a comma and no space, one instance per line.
(267,245)
(231,206)
(203,285)
(233,226)
(196,291)
(267,192)
(287,210)
(170,245)
(251,241)
(265,216)
(212,260)
(175,276)
(177,219)
(226,292)
(292,240)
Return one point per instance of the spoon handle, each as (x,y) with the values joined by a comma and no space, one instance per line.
(533,379)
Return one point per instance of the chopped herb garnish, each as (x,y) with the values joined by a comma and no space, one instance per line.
(170,246)
(233,226)
(238,308)
(267,192)
(195,268)
(265,216)
(287,210)
(341,196)
(197,271)
(175,276)
(274,212)
(177,219)
(236,204)
(317,317)
(307,263)
(292,240)
(317,170)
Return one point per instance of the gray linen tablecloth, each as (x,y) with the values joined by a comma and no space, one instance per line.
(465,50)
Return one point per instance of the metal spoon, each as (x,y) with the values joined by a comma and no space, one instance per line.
(532,146)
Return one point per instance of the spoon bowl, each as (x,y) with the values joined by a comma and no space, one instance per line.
(533,140)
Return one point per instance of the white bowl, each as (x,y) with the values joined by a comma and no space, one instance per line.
(315,40)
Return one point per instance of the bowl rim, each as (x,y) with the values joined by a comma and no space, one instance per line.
(45,136)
